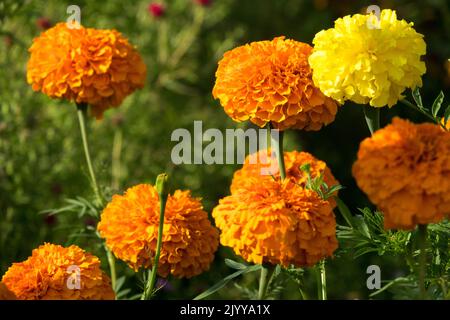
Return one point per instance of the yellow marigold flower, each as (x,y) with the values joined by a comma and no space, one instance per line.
(357,61)
(51,273)
(271,81)
(129,224)
(97,67)
(294,160)
(5,293)
(446,125)
(404,169)
(268,221)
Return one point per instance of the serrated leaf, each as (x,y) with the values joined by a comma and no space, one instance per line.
(235,265)
(222,283)
(437,104)
(417,98)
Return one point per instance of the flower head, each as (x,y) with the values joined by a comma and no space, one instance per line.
(46,275)
(43,23)
(368,62)
(268,221)
(271,81)
(156,9)
(204,3)
(404,169)
(97,67)
(5,293)
(129,224)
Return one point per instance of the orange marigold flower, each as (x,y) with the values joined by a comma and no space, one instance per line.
(51,274)
(404,169)
(255,163)
(129,224)
(5,293)
(268,221)
(271,81)
(97,67)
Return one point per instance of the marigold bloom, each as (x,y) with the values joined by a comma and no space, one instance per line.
(271,81)
(357,61)
(97,67)
(5,293)
(268,221)
(129,224)
(404,169)
(46,275)
(445,126)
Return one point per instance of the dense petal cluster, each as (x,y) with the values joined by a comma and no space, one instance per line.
(129,224)
(404,169)
(97,67)
(271,81)
(268,221)
(52,273)
(5,293)
(367,60)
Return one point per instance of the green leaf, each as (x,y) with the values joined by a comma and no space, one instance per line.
(437,104)
(235,265)
(361,225)
(417,98)
(447,114)
(344,210)
(372,116)
(222,283)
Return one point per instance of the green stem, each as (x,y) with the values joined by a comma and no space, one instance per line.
(81,111)
(422,260)
(161,188)
(115,160)
(263,283)
(321,281)
(277,144)
(112,267)
(372,116)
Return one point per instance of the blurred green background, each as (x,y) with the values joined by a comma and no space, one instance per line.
(41,159)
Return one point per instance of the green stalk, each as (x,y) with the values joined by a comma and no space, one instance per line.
(422,260)
(161,188)
(321,281)
(115,160)
(263,283)
(278,146)
(81,112)
(112,267)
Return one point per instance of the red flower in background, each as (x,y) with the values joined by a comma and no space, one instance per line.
(156,9)
(204,2)
(44,23)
